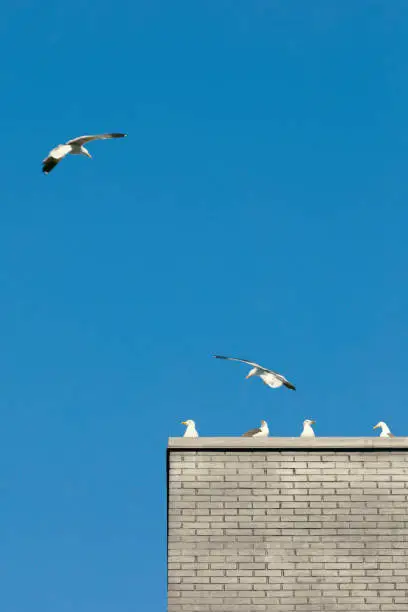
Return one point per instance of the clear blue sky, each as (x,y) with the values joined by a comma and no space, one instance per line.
(258,208)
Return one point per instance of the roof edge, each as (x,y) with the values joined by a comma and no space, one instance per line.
(288,443)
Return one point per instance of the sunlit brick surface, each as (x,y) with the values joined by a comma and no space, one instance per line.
(288,530)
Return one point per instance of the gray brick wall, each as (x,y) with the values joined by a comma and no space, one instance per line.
(290,530)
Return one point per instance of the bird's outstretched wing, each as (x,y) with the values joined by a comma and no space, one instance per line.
(54,157)
(251,432)
(251,363)
(80,140)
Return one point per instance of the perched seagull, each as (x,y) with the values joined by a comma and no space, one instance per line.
(191,431)
(385,430)
(262,431)
(73,147)
(307,429)
(270,378)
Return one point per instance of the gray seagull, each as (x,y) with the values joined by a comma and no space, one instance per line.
(262,431)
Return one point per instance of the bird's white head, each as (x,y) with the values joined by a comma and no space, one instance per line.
(381,424)
(85,152)
(251,372)
(188,423)
(264,424)
(309,422)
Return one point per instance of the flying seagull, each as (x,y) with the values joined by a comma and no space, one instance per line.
(191,431)
(270,378)
(262,431)
(73,147)
(307,429)
(385,430)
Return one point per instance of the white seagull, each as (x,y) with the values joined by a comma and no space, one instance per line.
(307,429)
(269,377)
(191,431)
(73,147)
(262,431)
(385,430)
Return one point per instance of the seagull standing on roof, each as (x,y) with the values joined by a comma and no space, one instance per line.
(191,431)
(385,430)
(262,431)
(269,377)
(73,147)
(307,429)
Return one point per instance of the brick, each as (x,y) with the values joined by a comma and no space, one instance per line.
(281,530)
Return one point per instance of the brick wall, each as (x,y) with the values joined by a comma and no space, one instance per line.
(292,530)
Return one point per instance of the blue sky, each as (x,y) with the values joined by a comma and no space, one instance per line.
(258,208)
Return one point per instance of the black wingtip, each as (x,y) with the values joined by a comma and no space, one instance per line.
(290,386)
(118,135)
(49,164)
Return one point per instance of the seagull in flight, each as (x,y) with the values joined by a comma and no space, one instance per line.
(269,377)
(73,147)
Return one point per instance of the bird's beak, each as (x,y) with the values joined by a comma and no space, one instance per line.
(183,423)
(375,427)
(312,422)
